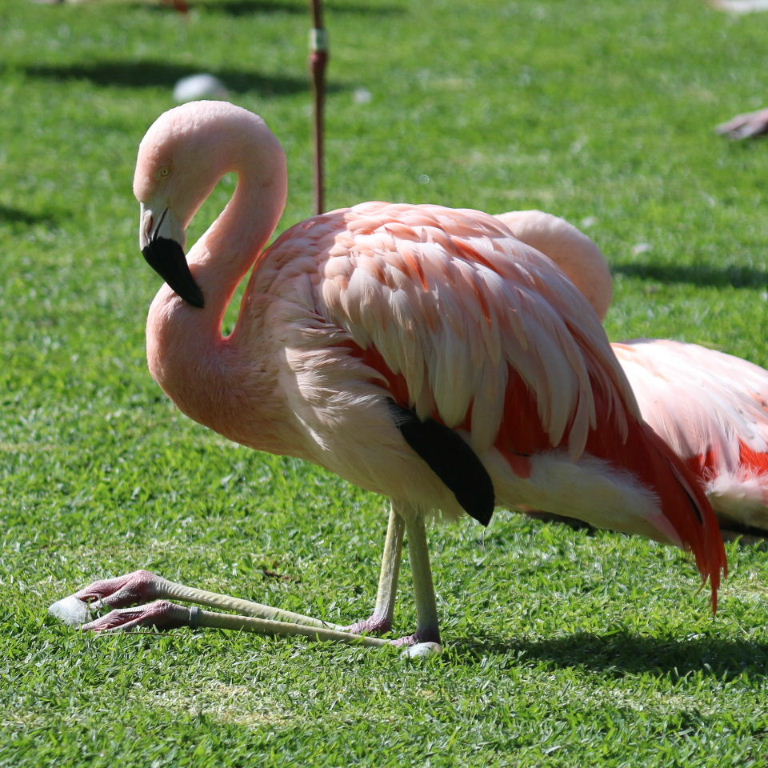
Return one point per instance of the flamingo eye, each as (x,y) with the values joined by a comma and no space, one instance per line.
(163,172)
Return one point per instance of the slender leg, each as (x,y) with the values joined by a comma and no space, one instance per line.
(427,628)
(380,620)
(141,586)
(163,614)
(144,585)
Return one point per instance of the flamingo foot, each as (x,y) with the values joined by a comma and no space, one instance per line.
(420,637)
(161,614)
(375,625)
(130,589)
(137,587)
(747,126)
(420,644)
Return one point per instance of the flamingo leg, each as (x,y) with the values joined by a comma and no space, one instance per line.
(163,614)
(427,626)
(426,639)
(142,586)
(380,620)
(319,55)
(123,592)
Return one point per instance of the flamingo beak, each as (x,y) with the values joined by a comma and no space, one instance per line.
(160,240)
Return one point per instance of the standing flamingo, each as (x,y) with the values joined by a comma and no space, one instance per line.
(710,407)
(421,352)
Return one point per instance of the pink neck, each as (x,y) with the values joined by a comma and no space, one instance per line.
(229,248)
(186,351)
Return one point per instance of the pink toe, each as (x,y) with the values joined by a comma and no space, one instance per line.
(161,614)
(136,587)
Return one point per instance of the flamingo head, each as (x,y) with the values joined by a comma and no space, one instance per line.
(182,157)
(178,165)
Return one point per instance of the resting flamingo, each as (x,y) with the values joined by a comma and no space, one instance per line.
(749,125)
(180,5)
(420,352)
(710,407)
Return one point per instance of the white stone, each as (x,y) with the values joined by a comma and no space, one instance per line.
(71,610)
(421,650)
(201,86)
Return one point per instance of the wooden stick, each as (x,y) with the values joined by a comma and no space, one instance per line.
(319,56)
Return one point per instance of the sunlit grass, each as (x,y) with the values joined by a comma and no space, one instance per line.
(564,648)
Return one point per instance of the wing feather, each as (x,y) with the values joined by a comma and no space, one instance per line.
(452,302)
(448,315)
(707,404)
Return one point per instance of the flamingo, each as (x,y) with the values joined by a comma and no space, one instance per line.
(710,407)
(741,6)
(749,125)
(420,352)
(180,5)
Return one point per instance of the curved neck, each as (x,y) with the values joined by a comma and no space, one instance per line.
(233,243)
(186,352)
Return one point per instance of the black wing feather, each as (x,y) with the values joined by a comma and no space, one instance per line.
(451,459)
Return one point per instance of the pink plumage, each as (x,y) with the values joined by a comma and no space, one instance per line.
(710,407)
(421,352)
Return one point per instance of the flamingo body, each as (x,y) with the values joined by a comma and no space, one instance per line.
(711,408)
(442,311)
(421,352)
(398,304)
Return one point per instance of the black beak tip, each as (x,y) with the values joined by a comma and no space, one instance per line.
(167,258)
(195,299)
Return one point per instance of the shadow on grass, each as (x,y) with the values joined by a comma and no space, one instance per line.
(253,7)
(19,216)
(626,653)
(717,277)
(142,74)
(246,7)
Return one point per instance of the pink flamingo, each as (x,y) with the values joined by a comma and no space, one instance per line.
(180,5)
(710,407)
(420,352)
(749,125)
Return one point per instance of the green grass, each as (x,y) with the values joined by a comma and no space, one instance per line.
(563,648)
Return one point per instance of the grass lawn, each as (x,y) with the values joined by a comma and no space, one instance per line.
(563,648)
